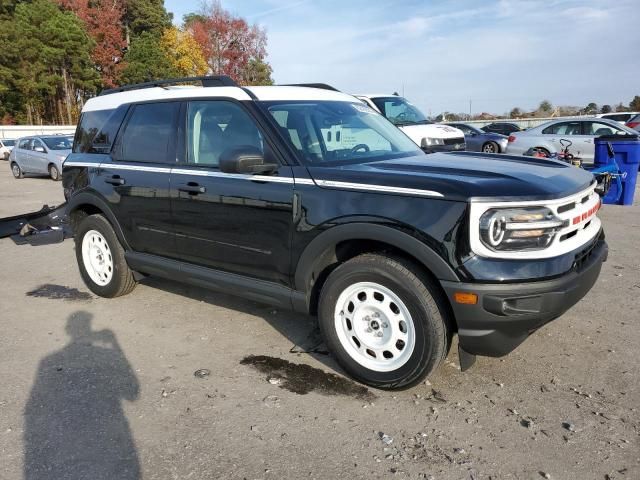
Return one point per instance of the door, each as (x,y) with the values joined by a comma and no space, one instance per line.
(231,222)
(591,130)
(38,159)
(568,131)
(136,180)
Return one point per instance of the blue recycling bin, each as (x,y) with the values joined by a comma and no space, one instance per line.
(623,150)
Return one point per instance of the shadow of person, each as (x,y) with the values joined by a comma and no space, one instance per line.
(75,427)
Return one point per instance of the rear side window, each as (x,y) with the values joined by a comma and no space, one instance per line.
(150,133)
(568,128)
(97,130)
(25,144)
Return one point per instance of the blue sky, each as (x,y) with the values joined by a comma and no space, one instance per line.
(497,53)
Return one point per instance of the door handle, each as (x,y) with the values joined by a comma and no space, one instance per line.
(115,180)
(192,188)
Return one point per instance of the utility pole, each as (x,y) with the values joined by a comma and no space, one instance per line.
(469,109)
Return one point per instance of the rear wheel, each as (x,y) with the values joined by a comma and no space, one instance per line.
(384,321)
(16,170)
(54,173)
(491,147)
(101,259)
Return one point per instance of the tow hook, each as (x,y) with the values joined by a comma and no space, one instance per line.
(43,227)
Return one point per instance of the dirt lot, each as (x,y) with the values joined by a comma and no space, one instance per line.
(105,389)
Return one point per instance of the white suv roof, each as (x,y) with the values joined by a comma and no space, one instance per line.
(114,100)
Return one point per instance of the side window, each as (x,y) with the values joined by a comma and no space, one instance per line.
(565,128)
(214,127)
(150,133)
(97,130)
(37,143)
(597,129)
(25,144)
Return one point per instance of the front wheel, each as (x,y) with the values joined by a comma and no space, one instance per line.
(384,320)
(54,173)
(101,259)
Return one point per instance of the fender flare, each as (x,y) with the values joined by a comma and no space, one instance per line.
(320,250)
(85,198)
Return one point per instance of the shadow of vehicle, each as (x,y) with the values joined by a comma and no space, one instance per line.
(75,427)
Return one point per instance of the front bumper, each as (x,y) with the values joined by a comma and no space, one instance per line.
(459,146)
(506,314)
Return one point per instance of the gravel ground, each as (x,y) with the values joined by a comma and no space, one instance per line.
(107,389)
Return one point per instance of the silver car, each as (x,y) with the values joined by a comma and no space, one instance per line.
(580,132)
(40,155)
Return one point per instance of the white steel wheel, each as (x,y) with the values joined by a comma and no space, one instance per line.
(374,326)
(97,257)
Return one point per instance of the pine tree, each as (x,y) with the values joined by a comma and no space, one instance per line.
(147,60)
(146,16)
(53,70)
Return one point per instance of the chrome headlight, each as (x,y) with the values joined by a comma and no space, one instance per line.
(517,229)
(429,142)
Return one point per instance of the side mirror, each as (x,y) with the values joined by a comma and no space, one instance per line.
(245,159)
(39,149)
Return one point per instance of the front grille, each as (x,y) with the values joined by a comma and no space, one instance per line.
(453,141)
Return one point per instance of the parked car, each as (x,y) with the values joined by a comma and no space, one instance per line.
(429,136)
(581,132)
(40,155)
(620,117)
(503,128)
(480,141)
(246,190)
(634,122)
(6,145)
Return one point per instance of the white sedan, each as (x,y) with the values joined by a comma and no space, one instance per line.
(580,132)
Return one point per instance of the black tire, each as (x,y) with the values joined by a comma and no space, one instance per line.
(54,173)
(426,304)
(491,147)
(16,170)
(122,281)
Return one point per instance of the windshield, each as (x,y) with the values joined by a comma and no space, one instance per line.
(399,111)
(8,143)
(330,133)
(58,143)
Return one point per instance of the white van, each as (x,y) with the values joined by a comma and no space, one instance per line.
(431,137)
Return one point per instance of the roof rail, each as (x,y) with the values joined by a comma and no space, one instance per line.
(323,86)
(210,81)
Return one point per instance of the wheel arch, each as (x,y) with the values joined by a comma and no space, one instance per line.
(343,242)
(84,204)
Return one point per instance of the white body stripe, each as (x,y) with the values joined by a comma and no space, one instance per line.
(378,188)
(263,178)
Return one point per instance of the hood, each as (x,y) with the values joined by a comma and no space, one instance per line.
(432,130)
(464,175)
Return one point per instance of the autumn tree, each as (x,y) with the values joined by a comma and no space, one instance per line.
(230,45)
(103,21)
(184,52)
(634,105)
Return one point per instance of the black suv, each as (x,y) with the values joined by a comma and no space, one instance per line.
(305,198)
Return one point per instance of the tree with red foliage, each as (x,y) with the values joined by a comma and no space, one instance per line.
(103,20)
(230,45)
